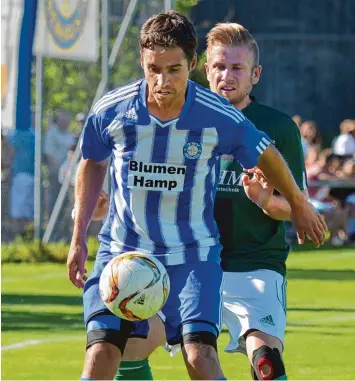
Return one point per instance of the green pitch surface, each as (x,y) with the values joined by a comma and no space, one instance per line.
(43,336)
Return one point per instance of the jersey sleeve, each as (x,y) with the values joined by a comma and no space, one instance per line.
(96,143)
(290,146)
(245,142)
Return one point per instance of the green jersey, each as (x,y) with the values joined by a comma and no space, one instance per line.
(251,240)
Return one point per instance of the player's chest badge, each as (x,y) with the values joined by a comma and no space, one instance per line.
(192,150)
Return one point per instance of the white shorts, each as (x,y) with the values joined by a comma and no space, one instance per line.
(22,196)
(254,300)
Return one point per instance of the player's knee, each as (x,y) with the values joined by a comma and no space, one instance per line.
(202,351)
(267,363)
(102,350)
(106,341)
(199,358)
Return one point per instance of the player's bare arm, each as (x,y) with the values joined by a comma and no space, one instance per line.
(102,206)
(89,181)
(261,192)
(304,217)
(278,207)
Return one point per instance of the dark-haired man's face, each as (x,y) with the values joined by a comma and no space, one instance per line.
(166,71)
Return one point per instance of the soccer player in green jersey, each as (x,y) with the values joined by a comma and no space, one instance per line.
(249,214)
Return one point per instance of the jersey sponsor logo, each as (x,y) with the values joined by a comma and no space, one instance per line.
(156,176)
(229,181)
(268,320)
(192,150)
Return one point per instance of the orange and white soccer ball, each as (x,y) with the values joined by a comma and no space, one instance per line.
(134,286)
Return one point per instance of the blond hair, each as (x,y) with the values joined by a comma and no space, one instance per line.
(232,34)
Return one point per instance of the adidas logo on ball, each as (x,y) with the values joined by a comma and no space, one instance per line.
(140,300)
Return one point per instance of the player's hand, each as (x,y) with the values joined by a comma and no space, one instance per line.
(102,206)
(257,188)
(78,253)
(308,222)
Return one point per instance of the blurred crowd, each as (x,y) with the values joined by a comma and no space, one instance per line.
(330,175)
(18,173)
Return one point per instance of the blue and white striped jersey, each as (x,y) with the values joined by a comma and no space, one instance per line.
(164,174)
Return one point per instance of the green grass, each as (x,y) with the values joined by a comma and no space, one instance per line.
(39,303)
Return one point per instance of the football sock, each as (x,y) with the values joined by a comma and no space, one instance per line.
(134,370)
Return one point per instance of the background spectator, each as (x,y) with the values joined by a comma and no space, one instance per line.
(57,143)
(310,136)
(298,120)
(344,144)
(22,143)
(80,120)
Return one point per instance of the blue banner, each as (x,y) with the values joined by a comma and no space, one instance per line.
(23,99)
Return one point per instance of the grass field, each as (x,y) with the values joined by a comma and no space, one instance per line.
(43,336)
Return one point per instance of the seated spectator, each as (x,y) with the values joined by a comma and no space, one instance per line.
(316,161)
(331,170)
(344,144)
(348,170)
(310,136)
(350,205)
(322,199)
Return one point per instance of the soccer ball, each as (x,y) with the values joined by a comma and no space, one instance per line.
(134,286)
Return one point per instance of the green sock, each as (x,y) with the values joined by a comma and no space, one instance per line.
(134,370)
(284,377)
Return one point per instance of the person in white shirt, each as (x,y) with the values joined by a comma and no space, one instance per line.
(57,143)
(344,144)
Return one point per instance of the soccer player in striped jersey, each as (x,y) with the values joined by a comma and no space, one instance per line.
(163,137)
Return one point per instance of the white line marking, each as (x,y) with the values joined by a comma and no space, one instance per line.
(28,343)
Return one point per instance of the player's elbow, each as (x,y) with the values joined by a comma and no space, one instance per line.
(268,157)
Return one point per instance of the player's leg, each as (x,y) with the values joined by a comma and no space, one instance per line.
(201,357)
(103,357)
(265,355)
(193,316)
(135,361)
(254,313)
(107,334)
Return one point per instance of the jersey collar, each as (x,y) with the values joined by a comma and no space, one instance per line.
(251,104)
(191,91)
